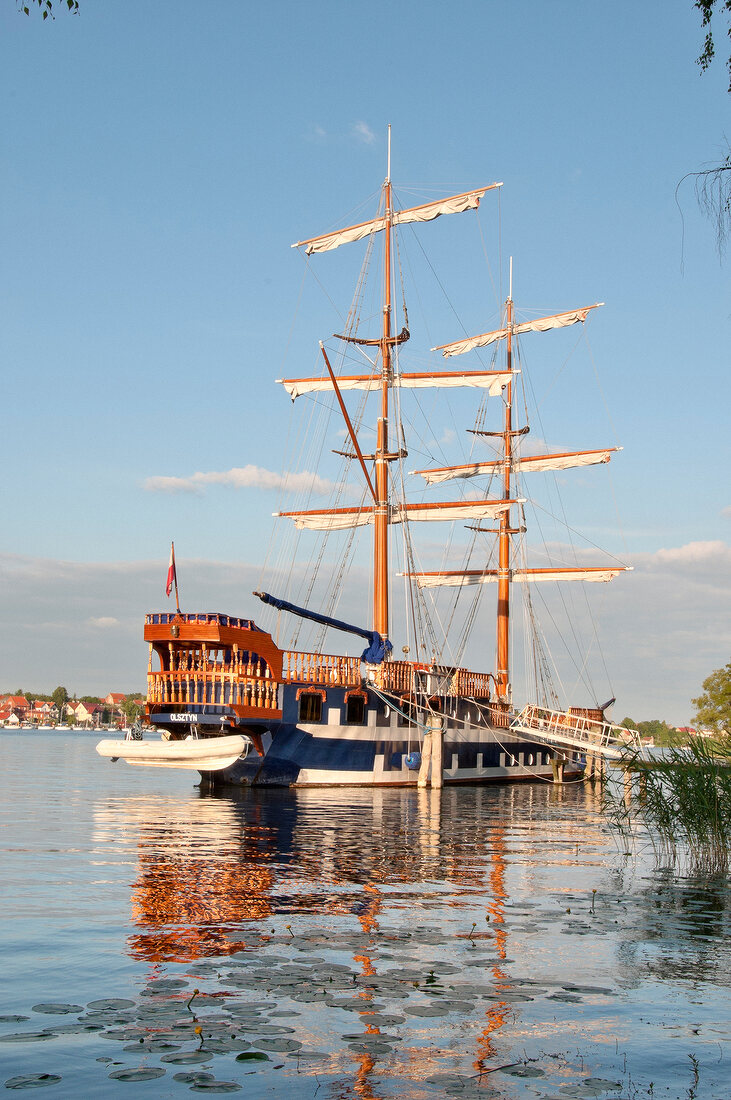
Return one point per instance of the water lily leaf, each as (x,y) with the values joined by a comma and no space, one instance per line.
(27,1037)
(523,1071)
(13,1019)
(57,1009)
(105,1004)
(186,1057)
(32,1080)
(151,1046)
(163,985)
(141,1073)
(278,1044)
(193,1077)
(426,1010)
(224,1046)
(215,1086)
(253,1056)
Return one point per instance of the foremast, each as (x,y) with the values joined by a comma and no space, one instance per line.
(382,512)
(382,457)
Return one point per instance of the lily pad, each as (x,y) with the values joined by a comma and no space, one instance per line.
(140,1073)
(13,1019)
(215,1086)
(32,1080)
(110,1004)
(27,1037)
(426,1010)
(186,1057)
(193,1077)
(278,1044)
(57,1009)
(253,1056)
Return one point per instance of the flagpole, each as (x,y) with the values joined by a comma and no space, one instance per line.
(175,578)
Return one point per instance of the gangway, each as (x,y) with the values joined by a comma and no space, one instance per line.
(573,731)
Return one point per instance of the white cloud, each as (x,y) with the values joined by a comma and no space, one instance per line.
(363,132)
(241,477)
(726,512)
(103,622)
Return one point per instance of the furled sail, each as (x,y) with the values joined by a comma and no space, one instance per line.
(531,463)
(540,324)
(340,519)
(458,578)
(427,212)
(491,380)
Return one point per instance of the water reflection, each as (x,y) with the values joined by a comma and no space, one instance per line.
(211,865)
(681,930)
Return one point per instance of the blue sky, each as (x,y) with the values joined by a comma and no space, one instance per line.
(157,164)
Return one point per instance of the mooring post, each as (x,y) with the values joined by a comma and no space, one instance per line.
(432,753)
(437,749)
(557,766)
(423,780)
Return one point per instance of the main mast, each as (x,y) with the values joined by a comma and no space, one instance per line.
(503,584)
(381,517)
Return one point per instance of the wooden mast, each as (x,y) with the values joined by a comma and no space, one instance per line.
(380,547)
(503,592)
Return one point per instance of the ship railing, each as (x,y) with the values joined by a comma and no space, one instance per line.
(321,668)
(409,678)
(577,731)
(198,618)
(223,687)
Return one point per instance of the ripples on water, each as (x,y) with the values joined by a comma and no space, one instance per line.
(485,942)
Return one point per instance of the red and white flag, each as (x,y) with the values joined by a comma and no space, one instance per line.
(172,575)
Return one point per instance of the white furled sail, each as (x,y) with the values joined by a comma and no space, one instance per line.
(458,578)
(530,464)
(491,380)
(427,212)
(540,324)
(340,519)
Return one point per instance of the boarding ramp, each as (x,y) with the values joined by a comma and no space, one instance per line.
(572,731)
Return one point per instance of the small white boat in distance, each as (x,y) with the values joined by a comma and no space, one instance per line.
(208,754)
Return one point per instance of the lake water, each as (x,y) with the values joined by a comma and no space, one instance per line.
(491,942)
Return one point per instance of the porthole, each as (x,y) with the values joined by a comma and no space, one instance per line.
(530,760)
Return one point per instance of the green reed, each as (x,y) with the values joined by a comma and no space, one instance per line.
(684,801)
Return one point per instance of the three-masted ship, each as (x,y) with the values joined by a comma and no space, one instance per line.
(232,703)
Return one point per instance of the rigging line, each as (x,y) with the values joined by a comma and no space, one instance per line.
(573,530)
(486,254)
(561,369)
(562,639)
(584,595)
(570,620)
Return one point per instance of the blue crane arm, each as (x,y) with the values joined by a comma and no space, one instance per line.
(378,647)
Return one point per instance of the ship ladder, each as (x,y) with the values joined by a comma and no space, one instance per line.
(572,731)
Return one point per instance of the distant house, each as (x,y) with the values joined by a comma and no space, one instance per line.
(42,712)
(14,707)
(115,698)
(89,714)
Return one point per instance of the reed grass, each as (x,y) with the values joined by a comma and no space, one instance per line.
(684,801)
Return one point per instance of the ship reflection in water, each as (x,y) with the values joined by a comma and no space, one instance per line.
(505,912)
(216,867)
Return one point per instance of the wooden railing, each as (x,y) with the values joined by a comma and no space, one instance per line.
(411,678)
(218,687)
(321,668)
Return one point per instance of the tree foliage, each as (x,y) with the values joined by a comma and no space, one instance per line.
(46,7)
(60,697)
(707,9)
(713,707)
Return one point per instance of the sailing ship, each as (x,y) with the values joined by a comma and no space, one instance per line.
(284,717)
